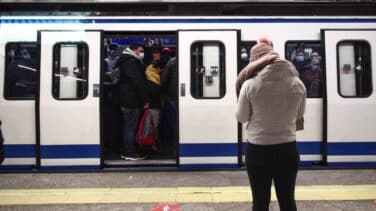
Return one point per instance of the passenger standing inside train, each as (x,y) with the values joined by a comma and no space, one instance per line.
(132,97)
(301,63)
(313,74)
(154,86)
(169,80)
(271,102)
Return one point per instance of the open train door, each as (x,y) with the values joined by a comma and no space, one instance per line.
(350,56)
(207,64)
(68,102)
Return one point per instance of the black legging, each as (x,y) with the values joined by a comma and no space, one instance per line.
(279,163)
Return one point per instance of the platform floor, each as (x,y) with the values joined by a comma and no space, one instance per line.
(191,190)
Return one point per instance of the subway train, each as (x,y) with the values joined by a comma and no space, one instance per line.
(59,110)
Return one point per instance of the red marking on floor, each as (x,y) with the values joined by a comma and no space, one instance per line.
(169,206)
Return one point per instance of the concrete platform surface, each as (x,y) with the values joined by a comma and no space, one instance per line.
(301,205)
(175,178)
(191,190)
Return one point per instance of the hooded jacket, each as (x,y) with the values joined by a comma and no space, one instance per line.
(271,102)
(154,86)
(132,80)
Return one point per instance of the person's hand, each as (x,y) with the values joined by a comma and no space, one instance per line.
(271,56)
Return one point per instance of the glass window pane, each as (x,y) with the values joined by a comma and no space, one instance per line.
(20,71)
(245,48)
(306,57)
(70,71)
(354,69)
(208,70)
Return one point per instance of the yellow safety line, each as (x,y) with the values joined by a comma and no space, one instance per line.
(175,194)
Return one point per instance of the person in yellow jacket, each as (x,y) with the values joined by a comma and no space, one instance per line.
(154,86)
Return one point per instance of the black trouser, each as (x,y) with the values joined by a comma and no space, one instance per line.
(279,163)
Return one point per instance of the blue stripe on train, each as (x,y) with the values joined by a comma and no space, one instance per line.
(306,163)
(216,20)
(349,164)
(52,151)
(19,150)
(70,151)
(208,166)
(352,148)
(305,148)
(65,168)
(16,167)
(208,149)
(231,149)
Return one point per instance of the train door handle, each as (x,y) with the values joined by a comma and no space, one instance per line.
(96,89)
(182,89)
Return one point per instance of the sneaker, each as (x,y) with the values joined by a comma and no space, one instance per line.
(133,156)
(155,148)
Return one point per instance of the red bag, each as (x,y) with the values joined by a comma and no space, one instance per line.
(146,130)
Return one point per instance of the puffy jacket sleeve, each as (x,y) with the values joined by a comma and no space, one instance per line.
(244,108)
(301,108)
(251,69)
(302,104)
(135,72)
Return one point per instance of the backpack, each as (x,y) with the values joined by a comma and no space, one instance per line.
(146,130)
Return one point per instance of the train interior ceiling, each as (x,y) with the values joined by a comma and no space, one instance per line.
(163,153)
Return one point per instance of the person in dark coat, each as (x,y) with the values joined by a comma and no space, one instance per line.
(169,79)
(168,131)
(132,97)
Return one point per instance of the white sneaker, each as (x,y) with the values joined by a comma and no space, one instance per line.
(133,156)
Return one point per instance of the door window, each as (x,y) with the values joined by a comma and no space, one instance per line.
(307,58)
(20,71)
(208,70)
(245,48)
(354,69)
(70,71)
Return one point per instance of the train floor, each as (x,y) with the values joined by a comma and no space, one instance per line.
(189,190)
(153,159)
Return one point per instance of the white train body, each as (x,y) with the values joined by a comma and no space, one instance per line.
(51,133)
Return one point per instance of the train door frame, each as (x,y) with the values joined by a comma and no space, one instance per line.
(241,127)
(198,154)
(312,150)
(19,148)
(91,157)
(343,149)
(137,164)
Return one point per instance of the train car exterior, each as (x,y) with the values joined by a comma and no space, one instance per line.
(48,122)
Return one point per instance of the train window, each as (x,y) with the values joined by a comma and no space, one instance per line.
(305,55)
(354,69)
(70,71)
(208,70)
(245,48)
(21,71)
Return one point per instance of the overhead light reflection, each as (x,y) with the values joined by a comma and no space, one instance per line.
(69,77)
(26,67)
